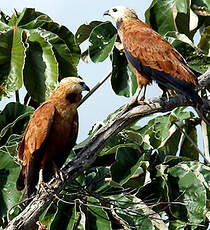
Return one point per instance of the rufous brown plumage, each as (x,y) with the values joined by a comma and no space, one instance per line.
(50,135)
(151,57)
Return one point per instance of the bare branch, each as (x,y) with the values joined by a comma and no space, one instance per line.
(204,80)
(88,154)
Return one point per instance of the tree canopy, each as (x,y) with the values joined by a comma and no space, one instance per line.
(152,176)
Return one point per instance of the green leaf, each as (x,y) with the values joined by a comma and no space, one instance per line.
(204,43)
(41,68)
(29,18)
(194,56)
(156,14)
(11,145)
(182,6)
(13,120)
(67,52)
(131,210)
(66,216)
(126,164)
(9,172)
(187,149)
(200,62)
(48,215)
(179,114)
(102,40)
(85,30)
(12,55)
(3,26)
(194,192)
(176,225)
(40,21)
(182,43)
(171,144)
(97,218)
(177,13)
(122,73)
(96,181)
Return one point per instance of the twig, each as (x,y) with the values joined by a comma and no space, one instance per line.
(95,88)
(192,142)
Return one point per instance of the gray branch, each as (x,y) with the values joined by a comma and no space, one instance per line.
(87,154)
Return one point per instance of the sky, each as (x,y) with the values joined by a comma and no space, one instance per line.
(72,14)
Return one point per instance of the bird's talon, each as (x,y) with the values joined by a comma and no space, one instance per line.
(60,174)
(44,186)
(140,102)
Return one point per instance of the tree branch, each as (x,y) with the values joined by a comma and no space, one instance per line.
(87,155)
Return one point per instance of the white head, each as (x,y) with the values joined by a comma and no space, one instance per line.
(74,84)
(119,13)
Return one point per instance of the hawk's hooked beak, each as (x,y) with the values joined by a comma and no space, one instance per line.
(85,87)
(106,13)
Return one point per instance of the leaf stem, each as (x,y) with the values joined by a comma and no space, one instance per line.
(95,88)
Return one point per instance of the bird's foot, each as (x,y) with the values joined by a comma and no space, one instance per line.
(165,98)
(60,174)
(43,186)
(133,103)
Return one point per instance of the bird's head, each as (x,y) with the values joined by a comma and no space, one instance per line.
(71,88)
(74,84)
(119,13)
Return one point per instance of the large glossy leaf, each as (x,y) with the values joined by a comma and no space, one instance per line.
(95,181)
(97,218)
(126,138)
(29,18)
(9,195)
(122,73)
(204,43)
(161,129)
(194,192)
(51,51)
(194,56)
(177,13)
(67,53)
(12,55)
(13,120)
(130,212)
(102,40)
(41,68)
(156,14)
(126,164)
(187,149)
(177,225)
(49,215)
(66,216)
(3,26)
(85,30)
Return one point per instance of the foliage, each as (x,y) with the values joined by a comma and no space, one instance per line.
(148,176)
(37,50)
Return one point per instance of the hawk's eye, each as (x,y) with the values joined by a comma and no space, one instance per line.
(114,10)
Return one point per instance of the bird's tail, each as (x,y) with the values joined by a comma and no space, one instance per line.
(20,184)
(32,177)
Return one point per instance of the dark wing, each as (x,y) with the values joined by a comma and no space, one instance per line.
(70,139)
(153,56)
(32,146)
(60,160)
